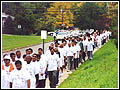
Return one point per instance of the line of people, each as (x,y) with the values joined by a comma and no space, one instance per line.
(32,69)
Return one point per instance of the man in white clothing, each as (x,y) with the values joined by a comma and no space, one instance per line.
(19,78)
(90,48)
(70,53)
(99,40)
(52,62)
(7,67)
(42,69)
(33,70)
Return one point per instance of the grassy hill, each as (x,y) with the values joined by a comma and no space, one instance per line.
(10,42)
(101,72)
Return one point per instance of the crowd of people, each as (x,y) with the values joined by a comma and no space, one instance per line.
(31,69)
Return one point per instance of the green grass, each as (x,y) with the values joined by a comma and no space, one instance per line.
(10,42)
(101,72)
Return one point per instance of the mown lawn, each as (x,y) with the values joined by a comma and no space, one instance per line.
(101,72)
(10,42)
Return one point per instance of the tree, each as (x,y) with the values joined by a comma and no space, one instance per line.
(87,14)
(61,13)
(26,14)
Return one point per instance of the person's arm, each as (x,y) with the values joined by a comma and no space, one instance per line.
(10,84)
(77,53)
(28,83)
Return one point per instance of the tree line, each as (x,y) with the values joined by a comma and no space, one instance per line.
(36,16)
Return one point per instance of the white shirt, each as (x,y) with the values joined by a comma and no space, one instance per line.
(62,53)
(19,78)
(77,49)
(5,77)
(33,70)
(47,52)
(21,59)
(4,80)
(90,46)
(85,44)
(98,38)
(42,67)
(52,61)
(65,49)
(70,51)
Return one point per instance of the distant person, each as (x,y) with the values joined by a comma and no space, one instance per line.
(90,48)
(70,53)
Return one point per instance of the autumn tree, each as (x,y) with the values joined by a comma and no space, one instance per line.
(61,13)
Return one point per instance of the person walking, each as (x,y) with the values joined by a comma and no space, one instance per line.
(70,53)
(33,71)
(90,48)
(19,78)
(7,67)
(52,62)
(42,69)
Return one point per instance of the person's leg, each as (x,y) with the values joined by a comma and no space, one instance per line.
(41,84)
(50,74)
(74,63)
(57,81)
(68,62)
(44,81)
(88,54)
(77,62)
(54,79)
(83,56)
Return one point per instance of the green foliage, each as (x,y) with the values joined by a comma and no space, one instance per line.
(87,15)
(26,14)
(35,16)
(101,72)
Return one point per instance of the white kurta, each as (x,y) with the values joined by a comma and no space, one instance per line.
(32,68)
(5,77)
(19,78)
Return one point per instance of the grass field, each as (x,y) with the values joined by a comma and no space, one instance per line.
(101,72)
(10,42)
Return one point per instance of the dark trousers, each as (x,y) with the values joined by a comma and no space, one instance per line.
(53,78)
(41,83)
(57,77)
(80,59)
(69,62)
(75,63)
(83,56)
(89,55)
